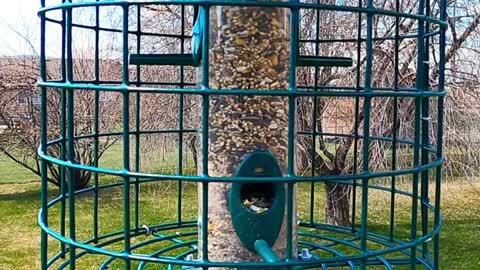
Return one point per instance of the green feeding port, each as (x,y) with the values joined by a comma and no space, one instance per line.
(283,134)
(257,209)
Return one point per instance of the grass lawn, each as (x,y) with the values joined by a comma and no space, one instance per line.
(12,173)
(20,241)
(19,233)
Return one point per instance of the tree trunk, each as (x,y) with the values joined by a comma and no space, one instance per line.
(192,145)
(337,209)
(304,155)
(81,178)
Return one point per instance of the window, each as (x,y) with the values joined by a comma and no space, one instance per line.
(26,116)
(22,100)
(36,100)
(104,97)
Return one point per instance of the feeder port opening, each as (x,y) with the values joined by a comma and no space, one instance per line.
(258,197)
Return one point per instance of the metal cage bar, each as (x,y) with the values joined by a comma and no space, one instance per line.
(126,138)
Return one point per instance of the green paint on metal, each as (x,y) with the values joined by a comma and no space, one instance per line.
(198,35)
(251,225)
(193,59)
(324,61)
(265,251)
(163,59)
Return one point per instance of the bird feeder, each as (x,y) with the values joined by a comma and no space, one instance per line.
(255,210)
(249,48)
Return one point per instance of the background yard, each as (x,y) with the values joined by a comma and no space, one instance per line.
(20,197)
(389,114)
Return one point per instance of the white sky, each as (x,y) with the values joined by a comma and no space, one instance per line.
(20,16)
(20,29)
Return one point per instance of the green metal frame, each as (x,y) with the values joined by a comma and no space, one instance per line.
(416,252)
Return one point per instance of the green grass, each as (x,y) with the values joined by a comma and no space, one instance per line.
(11,172)
(19,233)
(158,162)
(19,203)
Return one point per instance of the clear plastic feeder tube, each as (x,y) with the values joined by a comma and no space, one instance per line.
(249,48)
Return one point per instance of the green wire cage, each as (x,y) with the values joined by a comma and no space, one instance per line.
(239,68)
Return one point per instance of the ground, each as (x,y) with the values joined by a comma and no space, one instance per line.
(19,203)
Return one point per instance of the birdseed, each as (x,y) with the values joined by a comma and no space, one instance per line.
(249,49)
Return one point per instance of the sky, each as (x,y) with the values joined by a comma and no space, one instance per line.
(20,29)
(18,16)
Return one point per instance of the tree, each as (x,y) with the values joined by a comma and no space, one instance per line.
(338,159)
(20,114)
(334,155)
